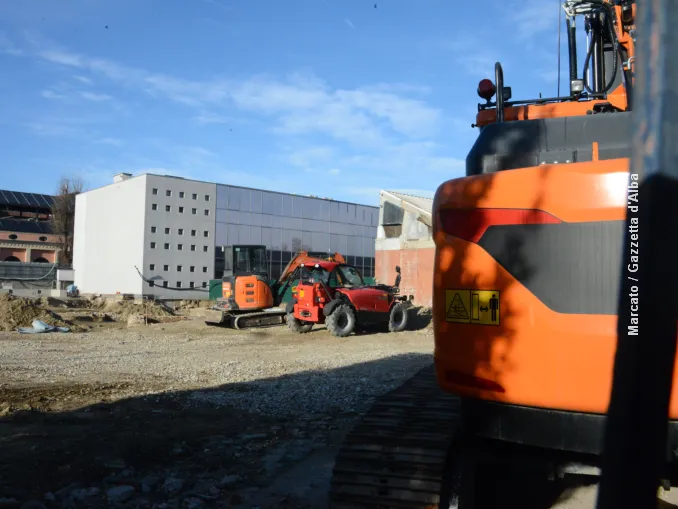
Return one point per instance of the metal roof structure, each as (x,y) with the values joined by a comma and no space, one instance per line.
(421,206)
(25,226)
(19,199)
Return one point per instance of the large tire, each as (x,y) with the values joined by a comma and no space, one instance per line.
(397,321)
(342,321)
(297,325)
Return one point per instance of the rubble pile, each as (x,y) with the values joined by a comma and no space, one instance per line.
(20,312)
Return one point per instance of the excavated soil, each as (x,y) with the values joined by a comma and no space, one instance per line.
(20,312)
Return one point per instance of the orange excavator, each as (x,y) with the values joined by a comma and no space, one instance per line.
(249,297)
(526,287)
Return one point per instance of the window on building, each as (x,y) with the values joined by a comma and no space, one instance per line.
(194,211)
(154,206)
(206,233)
(178,284)
(179,267)
(151,284)
(180,231)
(181,194)
(204,269)
(152,245)
(207,212)
(167,231)
(164,284)
(192,247)
(43,239)
(154,229)
(152,266)
(13,236)
(168,208)
(192,268)
(207,197)
(180,247)
(155,191)
(181,210)
(193,232)
(165,268)
(195,196)
(191,284)
(168,193)
(166,245)
(204,284)
(204,249)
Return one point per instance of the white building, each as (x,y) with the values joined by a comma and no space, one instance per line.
(171,230)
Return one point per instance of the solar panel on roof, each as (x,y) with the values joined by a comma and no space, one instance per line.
(18,199)
(22,226)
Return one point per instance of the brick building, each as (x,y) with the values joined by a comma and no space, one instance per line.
(25,231)
(404,239)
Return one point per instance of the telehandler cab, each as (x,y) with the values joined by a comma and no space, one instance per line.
(335,294)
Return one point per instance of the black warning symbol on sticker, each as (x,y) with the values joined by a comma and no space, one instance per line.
(456,309)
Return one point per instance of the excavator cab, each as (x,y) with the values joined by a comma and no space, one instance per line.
(245,283)
(245,261)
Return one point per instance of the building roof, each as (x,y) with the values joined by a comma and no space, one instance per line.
(19,199)
(314,197)
(425,204)
(25,226)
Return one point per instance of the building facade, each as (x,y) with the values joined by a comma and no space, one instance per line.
(404,239)
(25,230)
(162,236)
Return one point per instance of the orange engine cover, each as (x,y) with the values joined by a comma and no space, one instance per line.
(546,242)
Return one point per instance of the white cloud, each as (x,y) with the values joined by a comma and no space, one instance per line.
(110,141)
(208,117)
(91,96)
(83,79)
(334,171)
(349,23)
(50,94)
(302,103)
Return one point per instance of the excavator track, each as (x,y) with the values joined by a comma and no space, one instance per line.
(258,319)
(396,455)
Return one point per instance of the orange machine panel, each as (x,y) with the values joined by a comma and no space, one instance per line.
(534,345)
(252,292)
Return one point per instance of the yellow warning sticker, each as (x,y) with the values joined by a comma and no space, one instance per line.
(458,306)
(479,307)
(485,307)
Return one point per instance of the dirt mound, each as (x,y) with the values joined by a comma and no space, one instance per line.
(192,304)
(121,310)
(20,312)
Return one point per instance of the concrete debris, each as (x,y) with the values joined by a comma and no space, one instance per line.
(119,494)
(172,485)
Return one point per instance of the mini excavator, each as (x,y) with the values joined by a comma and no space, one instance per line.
(526,287)
(249,298)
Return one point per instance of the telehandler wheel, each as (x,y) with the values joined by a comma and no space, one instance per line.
(397,321)
(342,321)
(297,325)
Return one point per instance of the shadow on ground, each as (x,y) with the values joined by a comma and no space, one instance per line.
(200,448)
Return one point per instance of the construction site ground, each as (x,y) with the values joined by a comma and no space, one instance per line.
(178,414)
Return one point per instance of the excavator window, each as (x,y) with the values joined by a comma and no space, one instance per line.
(250,260)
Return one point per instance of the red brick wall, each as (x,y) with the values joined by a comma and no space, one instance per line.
(6,252)
(50,256)
(416,269)
(29,237)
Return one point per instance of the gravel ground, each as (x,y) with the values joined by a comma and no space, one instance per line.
(239,418)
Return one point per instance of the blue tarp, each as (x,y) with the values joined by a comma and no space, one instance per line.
(39,327)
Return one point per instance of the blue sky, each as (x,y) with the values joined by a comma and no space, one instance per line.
(335,98)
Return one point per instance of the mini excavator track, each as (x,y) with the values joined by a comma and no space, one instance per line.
(396,455)
(258,319)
